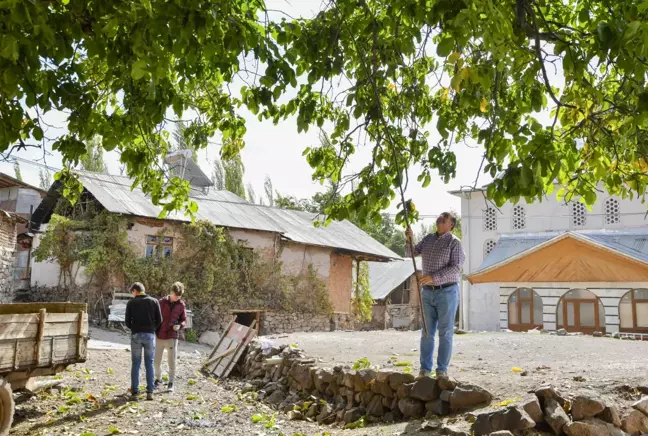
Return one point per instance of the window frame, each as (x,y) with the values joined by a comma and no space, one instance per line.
(573,215)
(158,243)
(519,327)
(490,214)
(486,242)
(521,217)
(562,308)
(633,305)
(618,213)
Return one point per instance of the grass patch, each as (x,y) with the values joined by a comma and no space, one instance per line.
(362,363)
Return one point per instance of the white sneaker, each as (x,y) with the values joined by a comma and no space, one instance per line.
(440,374)
(424,373)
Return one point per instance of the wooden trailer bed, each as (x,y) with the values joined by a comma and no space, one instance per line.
(37,339)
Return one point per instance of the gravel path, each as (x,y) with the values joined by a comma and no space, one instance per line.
(95,401)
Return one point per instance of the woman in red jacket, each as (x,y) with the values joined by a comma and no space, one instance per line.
(174,318)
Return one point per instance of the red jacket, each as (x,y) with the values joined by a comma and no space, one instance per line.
(172,314)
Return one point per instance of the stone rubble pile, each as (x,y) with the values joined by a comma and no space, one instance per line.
(291,382)
(285,378)
(584,414)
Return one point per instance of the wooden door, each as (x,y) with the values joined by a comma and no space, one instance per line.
(581,315)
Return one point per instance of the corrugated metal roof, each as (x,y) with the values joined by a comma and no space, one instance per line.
(384,277)
(228,210)
(629,242)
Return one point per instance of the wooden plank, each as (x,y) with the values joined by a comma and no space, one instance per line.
(220,356)
(21,308)
(18,331)
(79,333)
(62,317)
(240,334)
(30,318)
(60,328)
(39,335)
(224,346)
(239,351)
(222,337)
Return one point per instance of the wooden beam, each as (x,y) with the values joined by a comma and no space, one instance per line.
(220,356)
(39,335)
(24,308)
(79,332)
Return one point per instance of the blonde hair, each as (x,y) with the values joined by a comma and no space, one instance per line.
(178,289)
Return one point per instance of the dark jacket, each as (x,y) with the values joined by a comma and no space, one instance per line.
(172,314)
(143,314)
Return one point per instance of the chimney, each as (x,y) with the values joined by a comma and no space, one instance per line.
(180,164)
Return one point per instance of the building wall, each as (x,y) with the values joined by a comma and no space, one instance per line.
(479,310)
(297,257)
(340,282)
(333,269)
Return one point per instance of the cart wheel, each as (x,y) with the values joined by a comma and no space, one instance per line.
(6,407)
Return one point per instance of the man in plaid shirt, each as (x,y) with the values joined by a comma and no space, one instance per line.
(443,258)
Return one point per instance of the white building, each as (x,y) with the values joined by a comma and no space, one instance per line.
(554,265)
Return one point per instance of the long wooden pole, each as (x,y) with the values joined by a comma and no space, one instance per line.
(418,284)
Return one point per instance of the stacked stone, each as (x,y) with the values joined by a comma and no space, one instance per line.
(284,322)
(281,322)
(584,415)
(6,276)
(288,380)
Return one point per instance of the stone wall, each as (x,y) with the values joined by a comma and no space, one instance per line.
(284,322)
(7,250)
(291,382)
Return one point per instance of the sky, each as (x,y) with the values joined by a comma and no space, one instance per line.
(276,151)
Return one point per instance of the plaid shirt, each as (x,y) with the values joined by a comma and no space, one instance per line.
(443,257)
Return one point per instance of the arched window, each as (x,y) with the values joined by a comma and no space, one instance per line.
(490,220)
(519,217)
(612,211)
(579,310)
(488,247)
(578,215)
(524,310)
(633,311)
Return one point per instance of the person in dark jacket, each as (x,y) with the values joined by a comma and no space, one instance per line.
(174,318)
(143,317)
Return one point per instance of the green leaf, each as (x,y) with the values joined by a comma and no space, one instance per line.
(10,48)
(138,69)
(445,47)
(632,30)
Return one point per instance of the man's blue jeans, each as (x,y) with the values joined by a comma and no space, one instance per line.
(139,342)
(440,308)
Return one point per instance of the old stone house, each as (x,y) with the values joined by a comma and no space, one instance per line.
(555,265)
(17,201)
(393,288)
(286,234)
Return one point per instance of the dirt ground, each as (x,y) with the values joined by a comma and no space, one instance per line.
(93,400)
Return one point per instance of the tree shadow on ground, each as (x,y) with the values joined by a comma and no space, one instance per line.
(101,408)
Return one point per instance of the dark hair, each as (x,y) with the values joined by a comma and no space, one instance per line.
(452,217)
(137,287)
(177,288)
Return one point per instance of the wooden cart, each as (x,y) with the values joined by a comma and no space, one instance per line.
(37,339)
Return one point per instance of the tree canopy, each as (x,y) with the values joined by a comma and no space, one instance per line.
(552,91)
